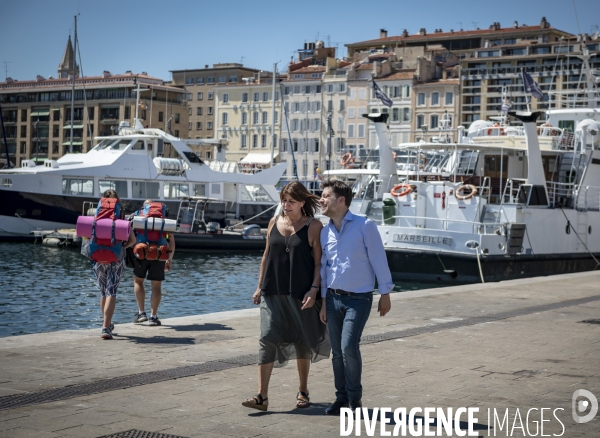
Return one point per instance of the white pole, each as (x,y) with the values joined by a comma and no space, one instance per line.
(306,143)
(273,116)
(73,86)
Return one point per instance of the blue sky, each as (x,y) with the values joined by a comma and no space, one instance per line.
(159,36)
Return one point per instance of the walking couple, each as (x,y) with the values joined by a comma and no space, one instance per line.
(341,260)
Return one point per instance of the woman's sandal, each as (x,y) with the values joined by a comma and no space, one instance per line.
(302,400)
(256,402)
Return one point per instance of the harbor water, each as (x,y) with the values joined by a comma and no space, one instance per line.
(46,288)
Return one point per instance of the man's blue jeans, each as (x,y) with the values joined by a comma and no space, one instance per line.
(346,319)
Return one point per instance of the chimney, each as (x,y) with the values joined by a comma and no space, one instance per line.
(404,33)
(39,78)
(106,74)
(382,33)
(205,65)
(422,31)
(544,23)
(516,24)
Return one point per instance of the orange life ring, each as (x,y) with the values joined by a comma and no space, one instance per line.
(406,191)
(346,159)
(496,126)
(462,188)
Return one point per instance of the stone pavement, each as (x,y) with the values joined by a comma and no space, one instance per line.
(510,346)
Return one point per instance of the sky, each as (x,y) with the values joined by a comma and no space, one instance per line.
(159,36)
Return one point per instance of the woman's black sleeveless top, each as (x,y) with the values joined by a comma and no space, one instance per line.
(289,273)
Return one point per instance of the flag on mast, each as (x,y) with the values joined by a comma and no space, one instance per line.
(381,96)
(531,86)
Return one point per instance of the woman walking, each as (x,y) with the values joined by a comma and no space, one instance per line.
(289,282)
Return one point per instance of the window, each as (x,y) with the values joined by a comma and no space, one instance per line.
(421,99)
(298,76)
(254,141)
(199,111)
(173,190)
(209,125)
(342,105)
(395,115)
(266,96)
(276,95)
(189,126)
(78,187)
(351,131)
(190,111)
(263,141)
(244,118)
(329,88)
(296,107)
(287,90)
(199,80)
(210,80)
(265,117)
(176,117)
(352,93)
(361,130)
(118,185)
(226,98)
(144,190)
(318,89)
(198,126)
(295,125)
(233,78)
(276,120)
(330,105)
(307,89)
(435,99)
(351,113)
(256,97)
(225,118)
(316,145)
(362,93)
(434,121)
(296,89)
(406,114)
(255,118)
(420,121)
(244,97)
(189,96)
(295,143)
(209,110)
(342,88)
(449,98)
(200,96)
(405,90)
(244,145)
(189,81)
(211,95)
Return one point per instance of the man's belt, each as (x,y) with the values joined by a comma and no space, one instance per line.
(343,292)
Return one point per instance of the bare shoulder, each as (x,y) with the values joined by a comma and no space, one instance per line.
(316,225)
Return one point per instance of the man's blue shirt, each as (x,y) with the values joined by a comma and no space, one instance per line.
(354,257)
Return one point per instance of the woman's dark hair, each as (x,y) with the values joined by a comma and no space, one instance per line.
(110,193)
(339,188)
(298,192)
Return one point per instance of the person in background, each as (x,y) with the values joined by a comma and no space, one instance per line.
(153,270)
(109,277)
(287,292)
(353,256)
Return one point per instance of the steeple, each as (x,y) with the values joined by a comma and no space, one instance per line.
(65,68)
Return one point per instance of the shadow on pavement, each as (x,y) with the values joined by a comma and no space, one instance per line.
(198,327)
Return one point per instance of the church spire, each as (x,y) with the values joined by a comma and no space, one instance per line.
(65,68)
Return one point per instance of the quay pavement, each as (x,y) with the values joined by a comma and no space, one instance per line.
(508,348)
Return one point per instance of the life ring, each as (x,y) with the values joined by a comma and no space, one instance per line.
(407,189)
(462,188)
(496,126)
(346,159)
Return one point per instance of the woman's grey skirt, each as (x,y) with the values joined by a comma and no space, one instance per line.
(287,332)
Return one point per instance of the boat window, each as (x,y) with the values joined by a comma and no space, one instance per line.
(120,145)
(255,193)
(118,185)
(567,124)
(175,190)
(138,145)
(144,190)
(199,189)
(6,182)
(103,144)
(77,186)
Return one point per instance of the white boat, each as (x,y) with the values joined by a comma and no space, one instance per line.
(139,164)
(492,212)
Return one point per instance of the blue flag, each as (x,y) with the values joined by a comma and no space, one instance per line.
(531,86)
(381,96)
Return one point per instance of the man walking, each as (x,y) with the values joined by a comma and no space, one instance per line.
(153,270)
(353,256)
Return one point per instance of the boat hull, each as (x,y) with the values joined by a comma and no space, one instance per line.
(34,211)
(407,265)
(217,242)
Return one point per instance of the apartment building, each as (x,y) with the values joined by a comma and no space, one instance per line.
(245,119)
(199,85)
(37,113)
(358,77)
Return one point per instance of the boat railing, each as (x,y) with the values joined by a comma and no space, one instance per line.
(511,190)
(561,194)
(446,224)
(588,199)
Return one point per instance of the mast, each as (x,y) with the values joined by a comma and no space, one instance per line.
(273,116)
(73,86)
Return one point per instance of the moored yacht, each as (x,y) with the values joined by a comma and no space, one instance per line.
(139,164)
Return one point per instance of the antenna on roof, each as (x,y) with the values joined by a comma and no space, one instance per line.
(10,62)
(460,24)
(475,23)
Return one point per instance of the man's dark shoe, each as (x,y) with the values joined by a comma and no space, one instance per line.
(355,404)
(140,317)
(154,321)
(334,409)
